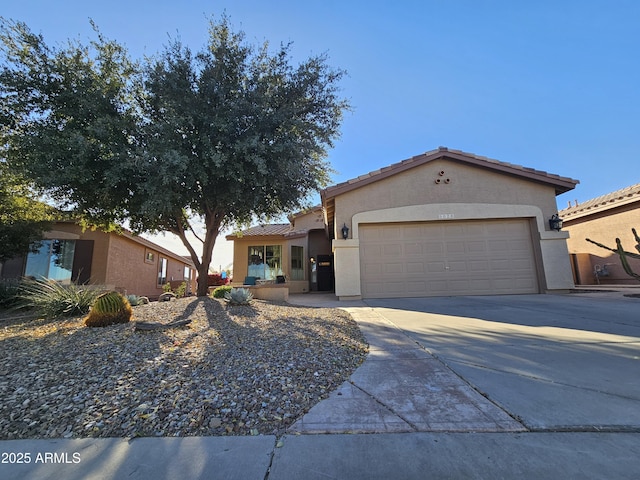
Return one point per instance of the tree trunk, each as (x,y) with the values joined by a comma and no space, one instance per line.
(212,225)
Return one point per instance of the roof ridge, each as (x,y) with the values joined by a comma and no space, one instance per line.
(443,151)
(610,199)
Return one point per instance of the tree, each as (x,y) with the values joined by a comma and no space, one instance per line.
(231,133)
(23,219)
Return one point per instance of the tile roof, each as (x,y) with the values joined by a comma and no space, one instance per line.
(611,200)
(562,184)
(267,229)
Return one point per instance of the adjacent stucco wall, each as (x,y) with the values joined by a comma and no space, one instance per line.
(444,190)
(130,272)
(603,227)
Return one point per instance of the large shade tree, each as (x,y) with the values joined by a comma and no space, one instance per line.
(231,133)
(23,217)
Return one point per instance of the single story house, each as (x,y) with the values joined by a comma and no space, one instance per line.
(603,219)
(442,223)
(299,251)
(124,262)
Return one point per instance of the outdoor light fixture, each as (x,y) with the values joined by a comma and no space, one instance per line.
(555,222)
(345,231)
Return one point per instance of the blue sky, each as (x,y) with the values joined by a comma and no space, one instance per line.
(551,85)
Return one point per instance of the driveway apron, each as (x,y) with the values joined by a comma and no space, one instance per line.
(401,387)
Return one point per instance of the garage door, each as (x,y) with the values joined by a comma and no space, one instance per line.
(447,258)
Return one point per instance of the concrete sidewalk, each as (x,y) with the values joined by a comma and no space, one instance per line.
(401,387)
(351,457)
(403,414)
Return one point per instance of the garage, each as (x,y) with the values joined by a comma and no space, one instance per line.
(483,257)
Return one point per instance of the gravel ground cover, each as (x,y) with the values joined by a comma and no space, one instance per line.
(234,370)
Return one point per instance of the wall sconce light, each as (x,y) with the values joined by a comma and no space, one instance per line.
(345,231)
(555,222)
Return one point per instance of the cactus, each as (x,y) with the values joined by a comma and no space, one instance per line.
(108,309)
(623,254)
(239,296)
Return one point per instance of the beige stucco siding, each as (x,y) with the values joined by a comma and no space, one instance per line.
(447,191)
(458,184)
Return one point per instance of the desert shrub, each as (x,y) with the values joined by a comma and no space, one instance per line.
(239,296)
(181,290)
(215,280)
(9,293)
(166,287)
(220,292)
(53,299)
(109,308)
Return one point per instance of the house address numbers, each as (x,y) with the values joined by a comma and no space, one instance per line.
(446,216)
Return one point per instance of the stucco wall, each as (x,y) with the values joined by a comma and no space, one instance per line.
(241,258)
(99,259)
(445,190)
(309,221)
(604,228)
(459,183)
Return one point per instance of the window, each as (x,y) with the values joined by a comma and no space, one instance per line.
(53,259)
(297,263)
(187,273)
(162,271)
(149,257)
(265,261)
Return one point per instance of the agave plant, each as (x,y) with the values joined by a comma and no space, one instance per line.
(53,299)
(238,296)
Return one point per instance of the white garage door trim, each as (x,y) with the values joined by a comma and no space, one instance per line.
(468,257)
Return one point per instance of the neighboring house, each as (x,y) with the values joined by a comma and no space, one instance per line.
(300,251)
(124,262)
(603,219)
(442,223)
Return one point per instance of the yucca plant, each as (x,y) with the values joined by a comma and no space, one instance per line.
(238,296)
(53,299)
(109,308)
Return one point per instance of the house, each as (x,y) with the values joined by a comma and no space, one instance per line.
(442,223)
(123,262)
(299,251)
(603,219)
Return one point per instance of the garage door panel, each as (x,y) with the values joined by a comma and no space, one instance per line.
(415,268)
(447,258)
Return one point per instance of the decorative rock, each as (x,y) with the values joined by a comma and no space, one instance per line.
(234,371)
(166,296)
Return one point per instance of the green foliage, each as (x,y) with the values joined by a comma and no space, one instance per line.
(166,287)
(220,292)
(9,293)
(23,218)
(53,299)
(109,308)
(239,296)
(181,291)
(134,300)
(233,132)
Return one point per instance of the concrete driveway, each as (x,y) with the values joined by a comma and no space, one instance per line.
(554,362)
